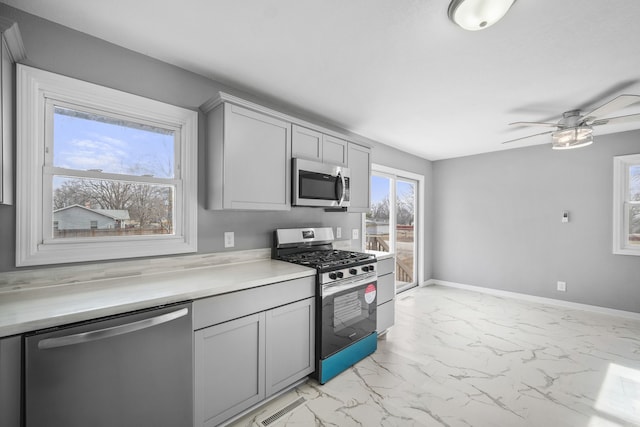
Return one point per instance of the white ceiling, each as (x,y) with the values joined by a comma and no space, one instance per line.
(396,71)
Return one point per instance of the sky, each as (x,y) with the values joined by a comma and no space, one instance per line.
(84,144)
(380,188)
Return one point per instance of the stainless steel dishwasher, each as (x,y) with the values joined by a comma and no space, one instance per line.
(129,370)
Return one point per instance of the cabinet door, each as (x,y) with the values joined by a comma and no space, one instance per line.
(257,160)
(306,143)
(229,369)
(290,344)
(334,150)
(360,166)
(10,381)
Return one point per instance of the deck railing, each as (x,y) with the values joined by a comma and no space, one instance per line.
(404,273)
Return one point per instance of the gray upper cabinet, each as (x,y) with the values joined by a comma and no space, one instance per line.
(360,166)
(248,159)
(306,143)
(249,150)
(12,50)
(334,150)
(314,145)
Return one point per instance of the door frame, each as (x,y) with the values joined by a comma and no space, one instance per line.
(419,214)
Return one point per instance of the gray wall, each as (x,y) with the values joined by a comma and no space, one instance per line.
(497,223)
(59,49)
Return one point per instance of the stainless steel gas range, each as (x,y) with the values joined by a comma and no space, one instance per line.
(346,287)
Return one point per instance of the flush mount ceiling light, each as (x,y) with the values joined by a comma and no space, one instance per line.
(476,15)
(565,139)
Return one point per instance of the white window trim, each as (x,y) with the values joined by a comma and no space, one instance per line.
(620,190)
(34,87)
(399,173)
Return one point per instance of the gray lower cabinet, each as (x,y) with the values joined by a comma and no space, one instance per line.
(10,381)
(240,361)
(386,294)
(289,344)
(229,369)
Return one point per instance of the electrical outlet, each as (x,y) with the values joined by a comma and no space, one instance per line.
(562,286)
(355,234)
(229,239)
(338,232)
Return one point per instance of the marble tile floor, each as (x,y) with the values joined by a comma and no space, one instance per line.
(462,358)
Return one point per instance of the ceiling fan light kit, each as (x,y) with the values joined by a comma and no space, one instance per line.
(565,139)
(474,15)
(576,130)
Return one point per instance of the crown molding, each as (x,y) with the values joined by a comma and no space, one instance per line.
(13,38)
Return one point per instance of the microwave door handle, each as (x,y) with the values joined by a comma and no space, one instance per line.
(340,189)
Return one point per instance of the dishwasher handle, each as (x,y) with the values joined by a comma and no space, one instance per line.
(113,331)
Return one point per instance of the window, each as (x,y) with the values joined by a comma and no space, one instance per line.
(102,174)
(626,205)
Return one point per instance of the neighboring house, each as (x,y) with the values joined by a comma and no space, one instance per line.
(78,217)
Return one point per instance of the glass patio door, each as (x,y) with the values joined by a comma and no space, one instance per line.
(391,223)
(405,236)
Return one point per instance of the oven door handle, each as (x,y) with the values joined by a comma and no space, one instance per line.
(327,291)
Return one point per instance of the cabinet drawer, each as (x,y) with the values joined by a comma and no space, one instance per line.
(386,316)
(386,266)
(222,308)
(386,288)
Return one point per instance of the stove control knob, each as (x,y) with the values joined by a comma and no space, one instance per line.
(353,271)
(333,276)
(371,268)
(365,268)
(340,274)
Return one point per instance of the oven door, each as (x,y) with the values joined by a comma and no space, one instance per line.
(319,184)
(348,314)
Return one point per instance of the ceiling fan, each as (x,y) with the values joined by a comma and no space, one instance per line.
(575,130)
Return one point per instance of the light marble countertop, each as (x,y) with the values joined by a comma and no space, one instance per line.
(25,307)
(381,255)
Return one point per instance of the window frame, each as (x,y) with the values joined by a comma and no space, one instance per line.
(621,166)
(37,90)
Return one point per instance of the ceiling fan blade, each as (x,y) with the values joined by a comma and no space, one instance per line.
(533,124)
(530,136)
(615,104)
(619,119)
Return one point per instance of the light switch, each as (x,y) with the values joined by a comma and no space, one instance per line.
(565,216)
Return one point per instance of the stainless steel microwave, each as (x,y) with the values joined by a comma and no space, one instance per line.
(320,184)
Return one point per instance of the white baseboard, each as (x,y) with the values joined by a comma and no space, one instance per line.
(532,298)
